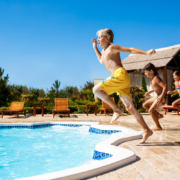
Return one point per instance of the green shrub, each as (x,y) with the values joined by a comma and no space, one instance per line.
(87,94)
(137,97)
(4,108)
(78,109)
(85,102)
(81,102)
(142,110)
(73,109)
(81,109)
(116,97)
(29,110)
(71,102)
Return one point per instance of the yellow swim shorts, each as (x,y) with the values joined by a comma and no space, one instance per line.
(119,82)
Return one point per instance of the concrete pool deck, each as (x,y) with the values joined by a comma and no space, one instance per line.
(158,158)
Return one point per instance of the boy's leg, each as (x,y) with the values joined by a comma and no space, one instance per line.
(152,111)
(127,101)
(103,96)
(176,104)
(147,105)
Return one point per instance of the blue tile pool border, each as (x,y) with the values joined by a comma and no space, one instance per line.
(35,126)
(99,131)
(101,155)
(41,126)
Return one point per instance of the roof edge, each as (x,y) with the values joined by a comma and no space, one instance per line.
(163,49)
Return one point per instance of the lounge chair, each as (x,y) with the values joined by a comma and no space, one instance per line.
(169,107)
(106,107)
(15,107)
(61,105)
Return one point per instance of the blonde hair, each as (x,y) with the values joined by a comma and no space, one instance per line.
(107,33)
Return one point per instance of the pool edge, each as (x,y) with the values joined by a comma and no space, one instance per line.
(121,156)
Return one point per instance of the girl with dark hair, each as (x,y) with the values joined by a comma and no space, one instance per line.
(176,76)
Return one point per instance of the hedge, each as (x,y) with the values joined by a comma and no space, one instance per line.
(79,109)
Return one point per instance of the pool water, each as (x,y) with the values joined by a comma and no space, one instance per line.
(30,152)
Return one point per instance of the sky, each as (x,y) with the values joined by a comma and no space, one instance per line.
(46,40)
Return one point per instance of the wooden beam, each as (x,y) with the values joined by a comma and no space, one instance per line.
(167,101)
(175,62)
(165,75)
(173,68)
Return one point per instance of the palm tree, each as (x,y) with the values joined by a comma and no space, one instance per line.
(1,72)
(56,87)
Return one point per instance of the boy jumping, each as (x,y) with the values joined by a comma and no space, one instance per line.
(119,81)
(160,88)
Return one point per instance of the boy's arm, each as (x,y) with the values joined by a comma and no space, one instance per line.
(96,50)
(117,48)
(172,92)
(149,92)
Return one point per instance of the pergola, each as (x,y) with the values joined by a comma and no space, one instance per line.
(166,60)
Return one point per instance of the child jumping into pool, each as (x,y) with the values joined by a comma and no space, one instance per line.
(119,81)
(160,89)
(176,76)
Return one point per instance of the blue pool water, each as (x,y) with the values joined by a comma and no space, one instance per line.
(30,152)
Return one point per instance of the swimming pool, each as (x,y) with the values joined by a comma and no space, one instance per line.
(47,150)
(43,150)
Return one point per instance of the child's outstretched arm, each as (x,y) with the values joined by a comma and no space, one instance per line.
(148,93)
(175,91)
(117,48)
(172,92)
(96,50)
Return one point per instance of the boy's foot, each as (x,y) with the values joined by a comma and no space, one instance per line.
(157,129)
(116,115)
(145,136)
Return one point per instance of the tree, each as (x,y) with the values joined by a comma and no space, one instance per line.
(16,92)
(34,92)
(25,90)
(87,94)
(144,87)
(56,85)
(54,92)
(88,85)
(42,93)
(4,89)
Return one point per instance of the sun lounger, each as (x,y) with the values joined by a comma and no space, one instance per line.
(61,105)
(169,107)
(15,107)
(106,107)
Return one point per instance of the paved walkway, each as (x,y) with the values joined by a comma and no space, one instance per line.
(158,158)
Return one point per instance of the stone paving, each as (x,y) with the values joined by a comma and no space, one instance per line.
(157,159)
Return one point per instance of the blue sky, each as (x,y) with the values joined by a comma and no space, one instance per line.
(46,40)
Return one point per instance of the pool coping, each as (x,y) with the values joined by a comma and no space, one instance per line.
(120,156)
